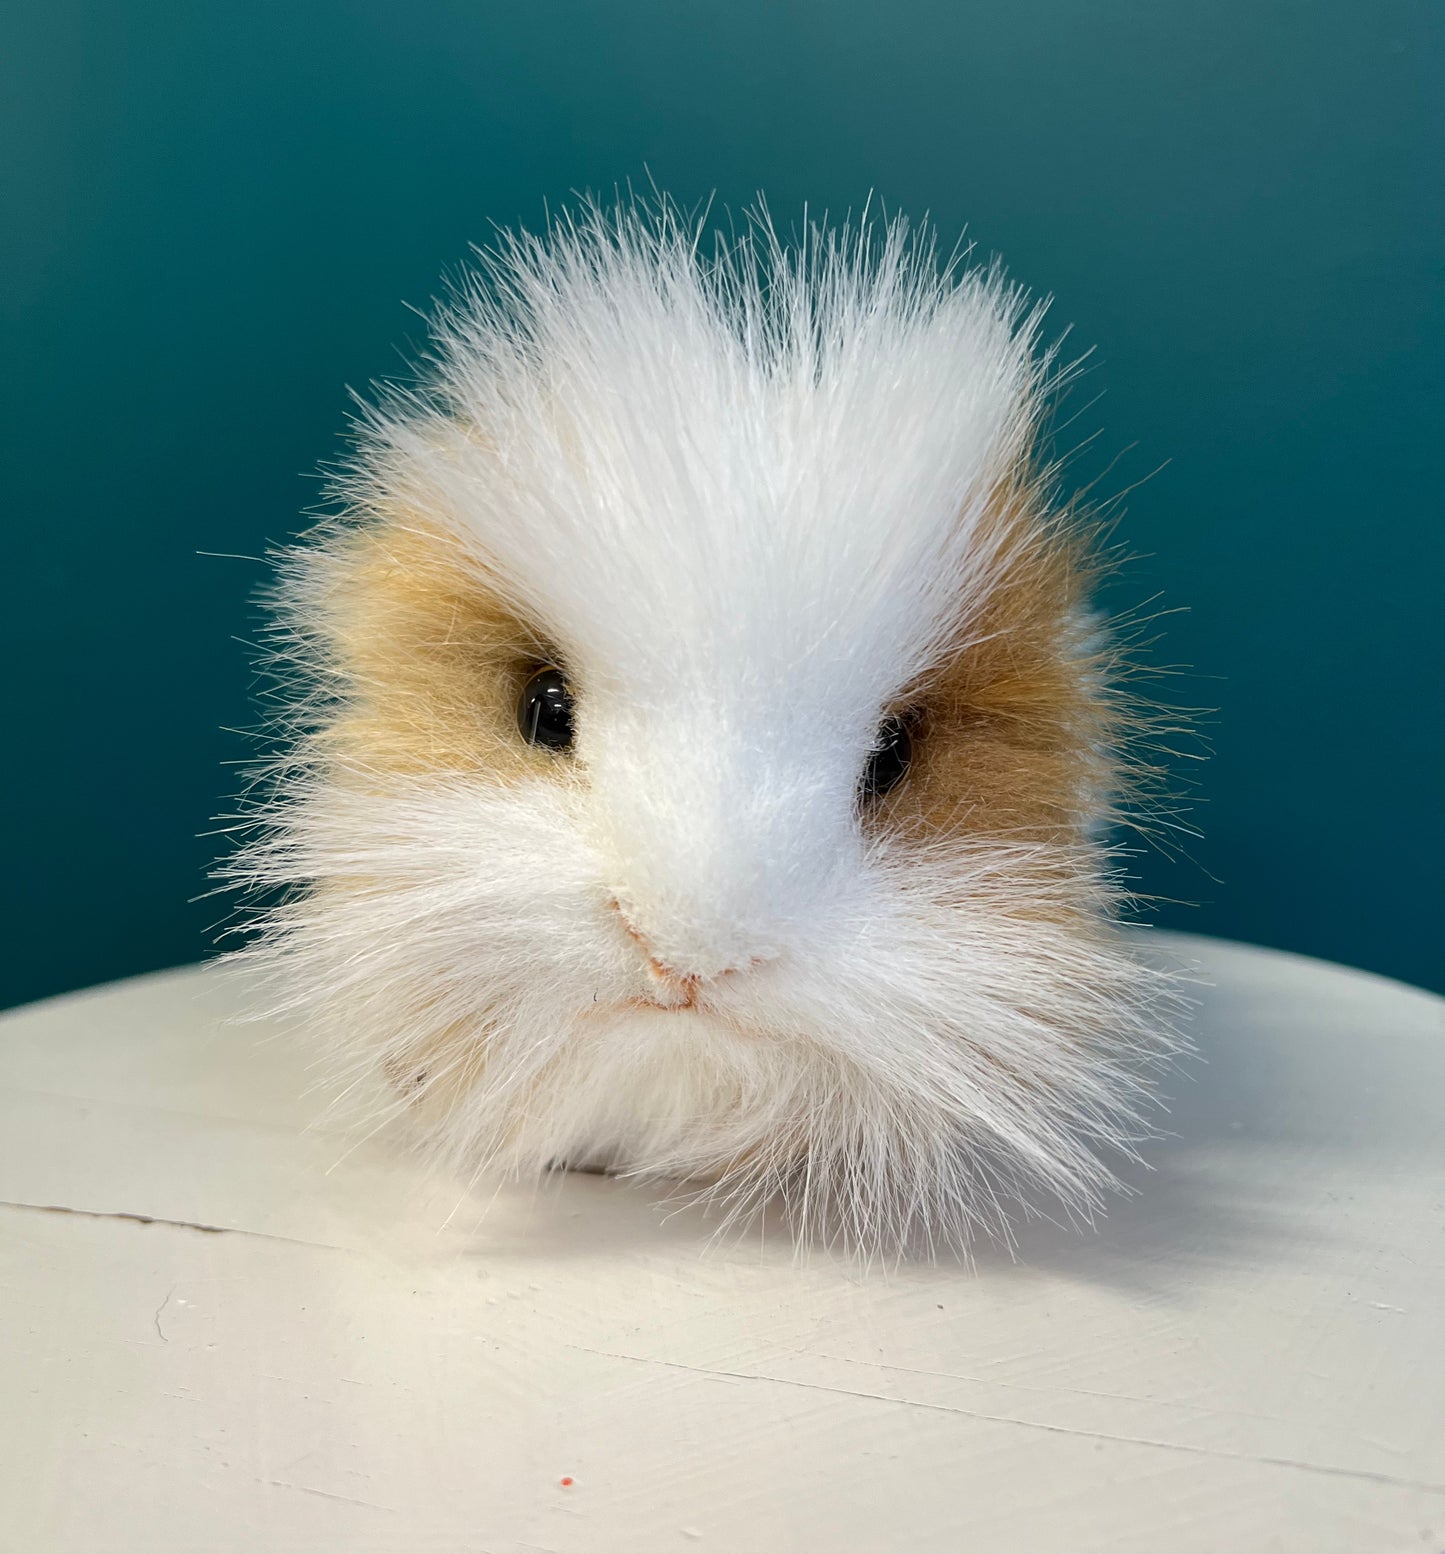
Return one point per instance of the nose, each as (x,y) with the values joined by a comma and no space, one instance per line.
(721,834)
(676,987)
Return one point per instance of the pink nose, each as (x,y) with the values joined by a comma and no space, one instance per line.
(672,988)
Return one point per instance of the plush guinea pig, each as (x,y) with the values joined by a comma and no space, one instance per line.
(700,751)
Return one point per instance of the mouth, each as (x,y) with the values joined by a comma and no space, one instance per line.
(668,995)
(680,1007)
(669,991)
(675,999)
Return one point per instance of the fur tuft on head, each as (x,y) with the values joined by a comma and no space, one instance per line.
(810,899)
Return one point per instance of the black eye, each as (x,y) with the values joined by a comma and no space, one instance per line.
(544,713)
(892,751)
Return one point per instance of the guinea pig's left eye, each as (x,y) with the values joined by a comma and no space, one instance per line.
(892,751)
(544,714)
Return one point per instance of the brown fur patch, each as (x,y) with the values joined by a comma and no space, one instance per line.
(432,660)
(1012,730)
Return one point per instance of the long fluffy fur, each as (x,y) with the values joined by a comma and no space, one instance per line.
(749,498)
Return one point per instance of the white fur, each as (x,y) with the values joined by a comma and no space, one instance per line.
(741,496)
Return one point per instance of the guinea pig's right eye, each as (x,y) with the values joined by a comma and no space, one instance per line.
(544,714)
(889,760)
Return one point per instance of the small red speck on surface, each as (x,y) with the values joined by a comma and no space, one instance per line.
(566,1483)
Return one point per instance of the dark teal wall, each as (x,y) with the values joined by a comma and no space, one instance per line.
(213,213)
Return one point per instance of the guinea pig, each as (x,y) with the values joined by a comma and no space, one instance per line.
(700,753)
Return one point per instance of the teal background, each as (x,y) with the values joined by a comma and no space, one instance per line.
(214,212)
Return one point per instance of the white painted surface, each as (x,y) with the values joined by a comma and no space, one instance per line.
(1246,1356)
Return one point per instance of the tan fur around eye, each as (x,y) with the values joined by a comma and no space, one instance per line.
(431,660)
(1013,731)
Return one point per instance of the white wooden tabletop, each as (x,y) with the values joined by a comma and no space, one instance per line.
(220,1331)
